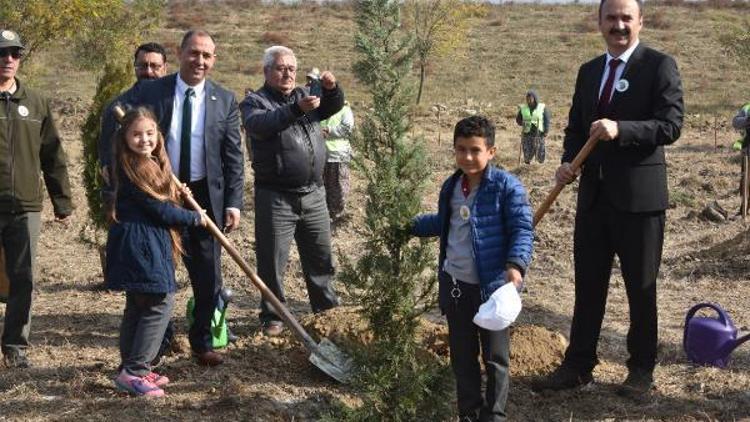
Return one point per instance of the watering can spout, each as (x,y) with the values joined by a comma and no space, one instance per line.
(738,343)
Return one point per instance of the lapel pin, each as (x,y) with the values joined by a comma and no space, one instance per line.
(213,98)
(23,111)
(622,85)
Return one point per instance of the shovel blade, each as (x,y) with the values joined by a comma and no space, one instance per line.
(333,361)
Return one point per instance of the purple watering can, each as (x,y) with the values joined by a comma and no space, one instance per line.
(709,341)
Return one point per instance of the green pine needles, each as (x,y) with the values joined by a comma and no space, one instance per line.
(393,281)
(116,78)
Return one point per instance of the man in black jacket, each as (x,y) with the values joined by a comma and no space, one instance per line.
(288,152)
(631,100)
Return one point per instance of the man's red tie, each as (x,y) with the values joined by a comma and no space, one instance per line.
(601,108)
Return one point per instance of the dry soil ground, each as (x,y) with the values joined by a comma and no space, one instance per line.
(75,323)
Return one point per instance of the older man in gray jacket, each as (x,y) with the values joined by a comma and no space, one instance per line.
(282,122)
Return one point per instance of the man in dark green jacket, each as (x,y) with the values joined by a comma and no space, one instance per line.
(29,146)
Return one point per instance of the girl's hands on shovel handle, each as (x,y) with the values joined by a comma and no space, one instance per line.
(187,196)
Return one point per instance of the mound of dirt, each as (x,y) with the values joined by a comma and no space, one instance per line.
(533,349)
(729,249)
(342,325)
(346,328)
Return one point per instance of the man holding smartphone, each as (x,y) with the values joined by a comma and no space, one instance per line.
(282,122)
(313,83)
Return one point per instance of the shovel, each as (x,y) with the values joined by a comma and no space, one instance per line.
(575,165)
(324,355)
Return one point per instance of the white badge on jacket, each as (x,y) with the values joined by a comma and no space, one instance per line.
(622,85)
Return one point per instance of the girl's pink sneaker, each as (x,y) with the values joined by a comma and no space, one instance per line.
(137,386)
(156,379)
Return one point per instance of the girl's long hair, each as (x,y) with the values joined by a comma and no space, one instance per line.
(152,175)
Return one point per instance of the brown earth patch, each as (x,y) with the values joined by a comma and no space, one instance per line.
(533,349)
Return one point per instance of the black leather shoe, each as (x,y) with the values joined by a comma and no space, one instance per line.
(562,378)
(638,383)
(209,358)
(273,328)
(16,360)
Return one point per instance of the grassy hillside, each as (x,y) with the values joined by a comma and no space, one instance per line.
(514,47)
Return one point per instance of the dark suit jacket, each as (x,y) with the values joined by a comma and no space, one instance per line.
(630,170)
(224,167)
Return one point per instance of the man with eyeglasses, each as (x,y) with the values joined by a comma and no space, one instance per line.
(29,145)
(150,63)
(200,121)
(282,122)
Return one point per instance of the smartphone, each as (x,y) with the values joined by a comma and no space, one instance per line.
(316,89)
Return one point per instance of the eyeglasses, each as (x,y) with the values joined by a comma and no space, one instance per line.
(14,52)
(146,66)
(285,69)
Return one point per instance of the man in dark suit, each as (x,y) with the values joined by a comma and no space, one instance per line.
(200,121)
(631,100)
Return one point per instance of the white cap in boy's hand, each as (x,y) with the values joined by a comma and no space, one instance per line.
(500,310)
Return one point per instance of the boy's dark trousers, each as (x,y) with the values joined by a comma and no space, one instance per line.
(464,338)
(144,322)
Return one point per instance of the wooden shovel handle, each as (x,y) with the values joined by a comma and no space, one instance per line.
(237,257)
(259,284)
(575,165)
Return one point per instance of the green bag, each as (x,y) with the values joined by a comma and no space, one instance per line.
(218,324)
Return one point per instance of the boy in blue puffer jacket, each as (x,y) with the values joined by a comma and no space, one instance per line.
(485,226)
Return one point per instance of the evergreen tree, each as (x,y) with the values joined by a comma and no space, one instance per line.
(107,44)
(392,280)
(116,78)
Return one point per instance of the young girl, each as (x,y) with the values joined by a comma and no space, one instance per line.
(143,246)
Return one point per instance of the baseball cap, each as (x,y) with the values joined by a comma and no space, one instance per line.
(9,38)
(500,310)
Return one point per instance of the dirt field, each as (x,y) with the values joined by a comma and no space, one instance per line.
(75,323)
